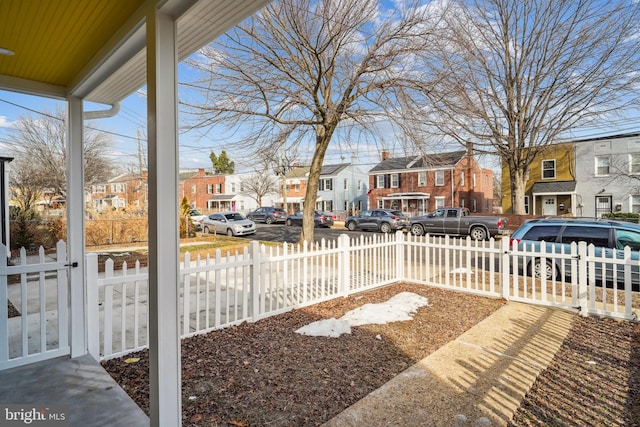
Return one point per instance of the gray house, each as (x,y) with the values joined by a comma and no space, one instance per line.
(607,174)
(342,189)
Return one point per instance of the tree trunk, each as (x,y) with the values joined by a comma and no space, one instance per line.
(323,137)
(519,178)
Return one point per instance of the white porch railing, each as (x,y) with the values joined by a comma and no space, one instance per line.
(219,291)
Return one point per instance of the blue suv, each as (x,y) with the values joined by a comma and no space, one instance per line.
(608,236)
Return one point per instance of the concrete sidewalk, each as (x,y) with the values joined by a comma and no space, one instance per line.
(479,379)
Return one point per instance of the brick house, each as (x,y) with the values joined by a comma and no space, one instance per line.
(423,183)
(126,192)
(204,191)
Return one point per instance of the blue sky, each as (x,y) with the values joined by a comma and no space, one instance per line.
(195,145)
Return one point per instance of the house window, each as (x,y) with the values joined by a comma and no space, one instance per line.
(462,179)
(548,169)
(209,188)
(486,180)
(359,185)
(296,187)
(218,188)
(439,201)
(439,179)
(193,189)
(117,188)
(474,180)
(233,188)
(462,203)
(99,188)
(395,180)
(422,179)
(346,184)
(475,205)
(526,205)
(379,181)
(634,164)
(360,205)
(602,165)
(325,184)
(635,204)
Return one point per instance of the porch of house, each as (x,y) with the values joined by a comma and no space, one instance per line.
(78,388)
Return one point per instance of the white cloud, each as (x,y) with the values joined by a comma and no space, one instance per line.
(4,123)
(399,308)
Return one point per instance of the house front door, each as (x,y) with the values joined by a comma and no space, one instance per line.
(603,205)
(549,206)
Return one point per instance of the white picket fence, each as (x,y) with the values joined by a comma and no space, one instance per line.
(38,288)
(219,291)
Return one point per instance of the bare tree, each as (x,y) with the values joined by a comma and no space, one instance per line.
(26,184)
(304,68)
(514,76)
(259,184)
(40,144)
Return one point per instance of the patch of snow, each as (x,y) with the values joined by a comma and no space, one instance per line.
(401,307)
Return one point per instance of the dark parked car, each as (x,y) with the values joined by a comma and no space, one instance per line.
(321,219)
(607,236)
(384,220)
(268,215)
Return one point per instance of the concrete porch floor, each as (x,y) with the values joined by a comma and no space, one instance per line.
(87,392)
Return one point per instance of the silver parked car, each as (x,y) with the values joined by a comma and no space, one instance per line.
(229,223)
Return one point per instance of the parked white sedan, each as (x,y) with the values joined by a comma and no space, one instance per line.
(229,223)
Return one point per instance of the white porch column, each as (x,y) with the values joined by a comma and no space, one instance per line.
(164,338)
(75,227)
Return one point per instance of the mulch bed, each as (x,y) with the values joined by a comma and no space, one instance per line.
(264,374)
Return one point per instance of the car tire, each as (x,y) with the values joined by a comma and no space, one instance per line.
(537,269)
(478,233)
(385,227)
(352,226)
(268,220)
(205,230)
(417,230)
(230,232)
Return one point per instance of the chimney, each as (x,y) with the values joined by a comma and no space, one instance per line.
(200,172)
(385,155)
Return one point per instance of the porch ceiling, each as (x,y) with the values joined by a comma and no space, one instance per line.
(96,49)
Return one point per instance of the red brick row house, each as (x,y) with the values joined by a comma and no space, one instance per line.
(423,183)
(127,192)
(204,191)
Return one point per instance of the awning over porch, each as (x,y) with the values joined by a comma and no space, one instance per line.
(222,198)
(291,200)
(555,187)
(406,196)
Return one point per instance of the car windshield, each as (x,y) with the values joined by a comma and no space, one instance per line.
(234,216)
(397,213)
